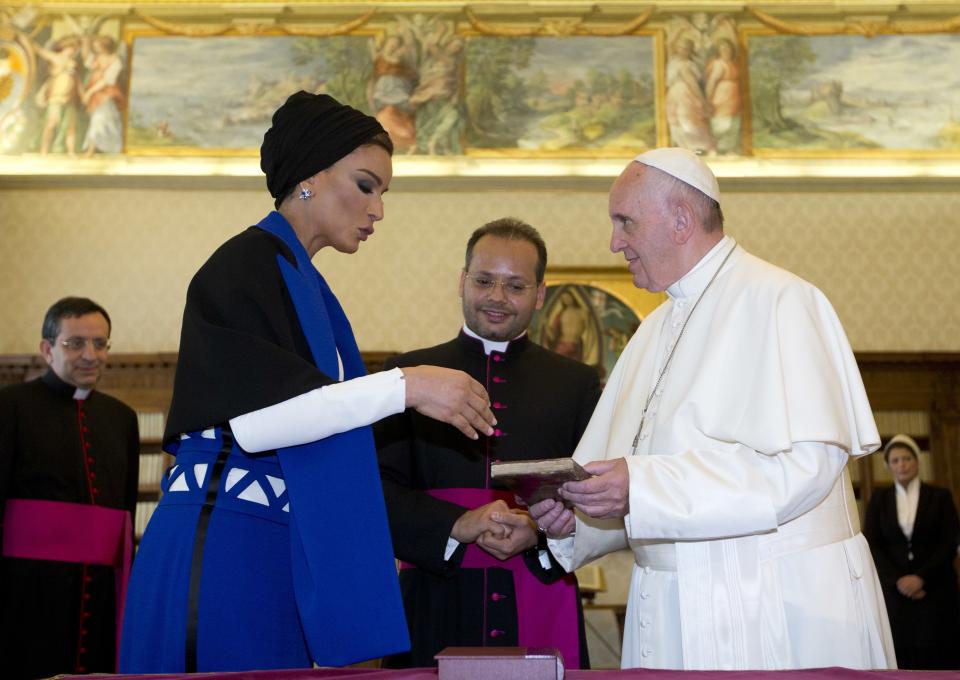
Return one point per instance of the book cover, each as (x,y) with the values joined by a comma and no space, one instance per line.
(536,480)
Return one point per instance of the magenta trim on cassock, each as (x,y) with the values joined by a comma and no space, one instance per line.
(71,532)
(546,613)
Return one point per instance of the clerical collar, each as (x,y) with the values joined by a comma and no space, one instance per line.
(694,281)
(60,386)
(491,345)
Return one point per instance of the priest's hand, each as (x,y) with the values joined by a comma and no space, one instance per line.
(606,495)
(553,518)
(521,534)
(449,396)
(473,524)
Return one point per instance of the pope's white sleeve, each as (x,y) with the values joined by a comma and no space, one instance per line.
(322,412)
(707,494)
(562,549)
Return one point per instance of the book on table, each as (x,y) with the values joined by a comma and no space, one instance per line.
(499,663)
(537,480)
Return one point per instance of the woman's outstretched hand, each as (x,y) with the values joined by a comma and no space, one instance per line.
(449,396)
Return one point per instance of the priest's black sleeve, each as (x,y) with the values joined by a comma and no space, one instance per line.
(589,390)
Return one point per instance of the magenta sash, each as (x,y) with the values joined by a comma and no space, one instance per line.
(71,532)
(546,613)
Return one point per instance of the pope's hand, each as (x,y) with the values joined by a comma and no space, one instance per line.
(552,518)
(449,396)
(606,495)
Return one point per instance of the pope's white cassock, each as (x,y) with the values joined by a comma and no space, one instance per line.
(742,521)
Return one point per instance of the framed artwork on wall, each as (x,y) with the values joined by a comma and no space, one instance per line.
(883,96)
(214,96)
(581,94)
(589,314)
(187,88)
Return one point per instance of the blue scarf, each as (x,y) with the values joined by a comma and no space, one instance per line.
(344,575)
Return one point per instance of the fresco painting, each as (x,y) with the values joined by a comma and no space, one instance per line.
(226,88)
(87,84)
(703,84)
(61,85)
(16,73)
(555,94)
(855,93)
(415,89)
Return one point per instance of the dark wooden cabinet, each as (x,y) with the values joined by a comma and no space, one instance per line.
(919,391)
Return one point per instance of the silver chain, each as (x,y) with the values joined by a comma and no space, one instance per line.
(666,364)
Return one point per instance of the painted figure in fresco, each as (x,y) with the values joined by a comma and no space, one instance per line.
(14,76)
(436,98)
(723,96)
(566,329)
(686,103)
(703,95)
(60,93)
(394,79)
(103,97)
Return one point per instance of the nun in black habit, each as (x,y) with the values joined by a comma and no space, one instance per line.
(270,546)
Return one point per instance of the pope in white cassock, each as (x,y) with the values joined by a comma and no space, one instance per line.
(719,449)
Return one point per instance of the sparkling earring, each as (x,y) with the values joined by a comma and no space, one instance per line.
(305,194)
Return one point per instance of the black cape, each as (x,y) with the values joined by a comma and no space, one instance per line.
(47,625)
(542,402)
(241,347)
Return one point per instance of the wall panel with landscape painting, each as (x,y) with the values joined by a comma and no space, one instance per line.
(887,94)
(456,82)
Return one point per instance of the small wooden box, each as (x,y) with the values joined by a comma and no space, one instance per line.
(500,663)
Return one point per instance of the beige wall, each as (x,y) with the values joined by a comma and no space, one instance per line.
(887,259)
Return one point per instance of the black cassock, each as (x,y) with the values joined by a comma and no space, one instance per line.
(57,617)
(542,402)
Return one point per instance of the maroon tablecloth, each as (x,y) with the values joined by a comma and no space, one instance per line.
(635,674)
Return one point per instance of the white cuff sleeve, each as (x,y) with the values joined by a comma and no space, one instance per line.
(452,545)
(562,549)
(322,412)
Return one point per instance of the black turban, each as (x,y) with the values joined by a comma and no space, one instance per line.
(310,132)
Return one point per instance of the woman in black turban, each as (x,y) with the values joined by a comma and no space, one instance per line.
(270,546)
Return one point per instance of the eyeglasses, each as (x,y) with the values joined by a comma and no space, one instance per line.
(486,282)
(76,344)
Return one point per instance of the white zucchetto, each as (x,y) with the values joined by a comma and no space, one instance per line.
(686,166)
